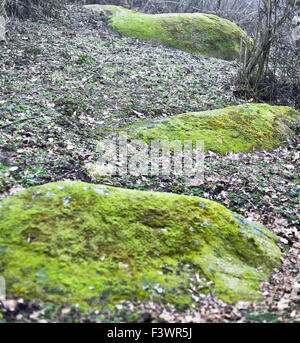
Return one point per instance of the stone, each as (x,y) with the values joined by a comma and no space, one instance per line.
(111,244)
(241,128)
(204,34)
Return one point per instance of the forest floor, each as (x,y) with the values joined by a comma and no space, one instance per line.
(64,81)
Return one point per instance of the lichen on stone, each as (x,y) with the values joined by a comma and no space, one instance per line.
(204,34)
(116,244)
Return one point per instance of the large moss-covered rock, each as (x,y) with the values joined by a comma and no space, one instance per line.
(205,34)
(73,242)
(237,128)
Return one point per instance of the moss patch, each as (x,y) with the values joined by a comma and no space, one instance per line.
(73,242)
(237,128)
(204,34)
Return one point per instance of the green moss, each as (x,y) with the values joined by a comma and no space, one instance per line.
(237,129)
(205,34)
(73,242)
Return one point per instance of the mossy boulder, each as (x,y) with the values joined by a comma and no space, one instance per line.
(204,34)
(237,128)
(74,242)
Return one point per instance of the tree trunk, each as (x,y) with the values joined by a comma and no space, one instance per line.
(2,20)
(296,26)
